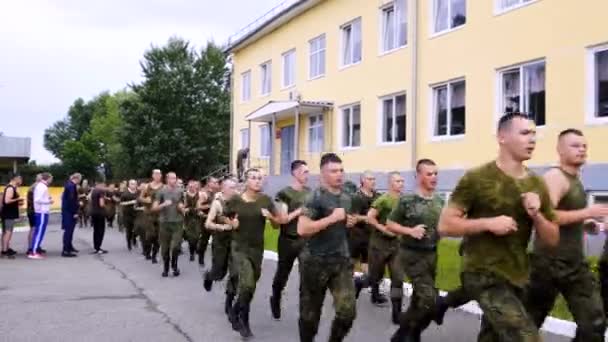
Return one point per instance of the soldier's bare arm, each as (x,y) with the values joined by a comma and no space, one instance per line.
(372,218)
(309,227)
(453,222)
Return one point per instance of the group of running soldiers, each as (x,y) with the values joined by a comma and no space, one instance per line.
(494,208)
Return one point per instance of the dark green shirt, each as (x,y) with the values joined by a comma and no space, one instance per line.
(170,213)
(190,202)
(129,209)
(293,199)
(332,241)
(413,210)
(361,203)
(249,236)
(570,245)
(485,192)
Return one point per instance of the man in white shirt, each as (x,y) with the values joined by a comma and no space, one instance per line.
(42,208)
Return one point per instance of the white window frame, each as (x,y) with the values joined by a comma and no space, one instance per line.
(244,136)
(317,53)
(382,49)
(246,86)
(266,78)
(498,9)
(341,127)
(380,130)
(318,123)
(341,62)
(591,91)
(433,10)
(591,196)
(433,108)
(265,128)
(499,84)
(293,72)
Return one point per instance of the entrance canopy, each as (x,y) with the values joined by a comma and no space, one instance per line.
(285,109)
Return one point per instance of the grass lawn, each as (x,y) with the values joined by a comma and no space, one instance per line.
(448,270)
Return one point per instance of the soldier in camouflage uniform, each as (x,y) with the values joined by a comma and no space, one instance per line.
(564,269)
(83,198)
(128,201)
(325,262)
(359,235)
(110,205)
(141,218)
(290,243)
(122,188)
(192,221)
(205,197)
(495,207)
(384,247)
(222,222)
(415,219)
(251,210)
(152,246)
(169,202)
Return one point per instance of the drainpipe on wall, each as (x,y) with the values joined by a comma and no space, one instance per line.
(414,84)
(231,160)
(249,145)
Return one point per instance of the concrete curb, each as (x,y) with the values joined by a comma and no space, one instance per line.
(552,325)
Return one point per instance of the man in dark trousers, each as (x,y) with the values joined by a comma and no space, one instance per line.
(69,214)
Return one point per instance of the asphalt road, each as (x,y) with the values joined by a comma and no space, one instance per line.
(121,297)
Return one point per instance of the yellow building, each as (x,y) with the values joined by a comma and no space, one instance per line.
(384,83)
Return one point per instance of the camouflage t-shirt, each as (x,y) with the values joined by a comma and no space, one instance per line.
(293,199)
(413,210)
(486,192)
(249,236)
(360,206)
(331,241)
(384,205)
(571,235)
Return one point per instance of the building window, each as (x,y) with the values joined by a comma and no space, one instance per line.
(351,126)
(351,42)
(246,86)
(600,82)
(598,198)
(504,5)
(317,57)
(394,25)
(523,90)
(449,109)
(265,141)
(245,138)
(393,119)
(315,133)
(448,14)
(266,71)
(289,68)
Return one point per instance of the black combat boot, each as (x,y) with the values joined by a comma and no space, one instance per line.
(166,262)
(378,298)
(228,303)
(174,258)
(207,283)
(244,329)
(233,317)
(275,305)
(396,312)
(308,331)
(339,330)
(441,306)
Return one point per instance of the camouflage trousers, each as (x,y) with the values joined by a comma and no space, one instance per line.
(248,264)
(140,225)
(420,267)
(170,237)
(383,252)
(192,232)
(203,242)
(120,218)
(505,318)
(222,262)
(289,250)
(603,271)
(574,280)
(152,236)
(130,235)
(317,275)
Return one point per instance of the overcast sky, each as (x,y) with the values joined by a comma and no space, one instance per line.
(54,51)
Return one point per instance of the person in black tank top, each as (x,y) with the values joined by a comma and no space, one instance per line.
(98,216)
(11,201)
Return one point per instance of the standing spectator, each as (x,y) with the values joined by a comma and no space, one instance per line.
(69,214)
(30,213)
(9,214)
(98,216)
(42,208)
